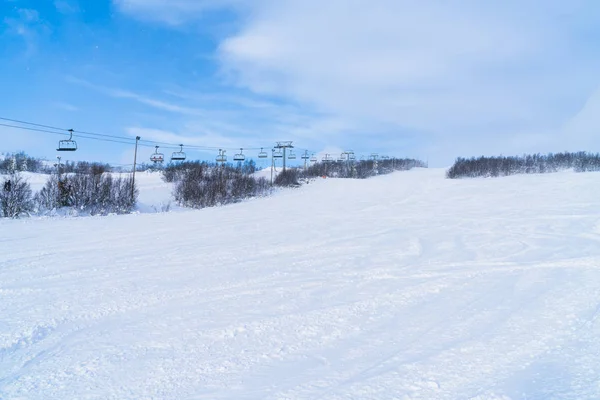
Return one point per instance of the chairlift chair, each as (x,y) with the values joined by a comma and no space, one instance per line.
(178,155)
(351,156)
(221,158)
(292,156)
(67,145)
(313,159)
(342,157)
(277,154)
(262,154)
(157,157)
(240,156)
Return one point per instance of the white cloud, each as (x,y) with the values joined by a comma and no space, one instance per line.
(27,24)
(410,64)
(464,76)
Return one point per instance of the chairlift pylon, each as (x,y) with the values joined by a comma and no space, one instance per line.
(67,145)
(157,157)
(178,155)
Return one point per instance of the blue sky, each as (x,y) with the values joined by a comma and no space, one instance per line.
(432,80)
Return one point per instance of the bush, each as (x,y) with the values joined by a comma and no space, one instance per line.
(200,185)
(287,178)
(175,172)
(94,192)
(15,196)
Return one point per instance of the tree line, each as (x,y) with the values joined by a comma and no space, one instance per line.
(90,187)
(526,164)
(361,169)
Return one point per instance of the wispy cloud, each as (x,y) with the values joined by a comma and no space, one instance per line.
(225,120)
(125,94)
(66,106)
(173,12)
(66,6)
(188,137)
(27,24)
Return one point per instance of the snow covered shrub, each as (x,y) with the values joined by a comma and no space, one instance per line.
(49,197)
(96,193)
(175,172)
(289,177)
(200,185)
(15,196)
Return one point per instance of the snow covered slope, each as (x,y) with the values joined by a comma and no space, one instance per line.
(406,286)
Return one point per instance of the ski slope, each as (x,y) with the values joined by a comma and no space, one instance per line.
(407,286)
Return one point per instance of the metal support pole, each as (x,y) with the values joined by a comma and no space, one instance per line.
(137,138)
(305,159)
(284,146)
(272,164)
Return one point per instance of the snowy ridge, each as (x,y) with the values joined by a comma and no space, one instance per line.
(407,286)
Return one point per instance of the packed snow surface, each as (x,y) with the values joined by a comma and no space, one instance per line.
(407,286)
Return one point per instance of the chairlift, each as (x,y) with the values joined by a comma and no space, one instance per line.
(67,145)
(221,158)
(351,156)
(262,154)
(342,157)
(278,154)
(178,155)
(313,159)
(305,156)
(292,156)
(157,157)
(327,158)
(240,156)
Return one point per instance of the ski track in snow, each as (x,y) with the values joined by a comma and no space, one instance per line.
(407,286)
